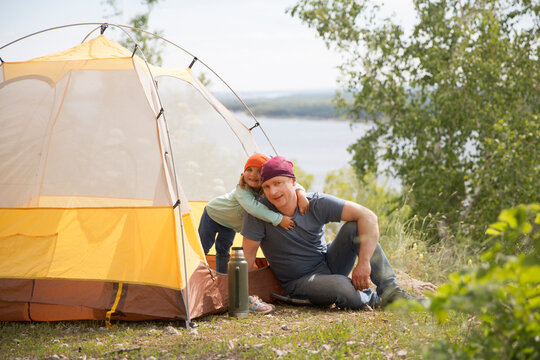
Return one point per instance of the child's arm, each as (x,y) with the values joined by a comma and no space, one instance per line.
(246,199)
(303,203)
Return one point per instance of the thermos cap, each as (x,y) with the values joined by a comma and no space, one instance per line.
(237,252)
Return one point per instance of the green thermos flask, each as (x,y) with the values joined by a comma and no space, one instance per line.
(238,284)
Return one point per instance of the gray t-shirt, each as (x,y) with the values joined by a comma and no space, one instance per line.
(295,253)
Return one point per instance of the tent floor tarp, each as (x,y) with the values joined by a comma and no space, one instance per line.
(59,300)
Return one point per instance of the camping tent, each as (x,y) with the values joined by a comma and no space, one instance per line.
(103,182)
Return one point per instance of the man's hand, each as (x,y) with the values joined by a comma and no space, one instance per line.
(360,275)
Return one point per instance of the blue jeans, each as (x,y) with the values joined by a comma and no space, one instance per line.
(208,229)
(329,282)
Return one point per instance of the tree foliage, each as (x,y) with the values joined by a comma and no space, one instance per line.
(149,45)
(456,103)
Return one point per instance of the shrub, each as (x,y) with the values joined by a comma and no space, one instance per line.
(502,294)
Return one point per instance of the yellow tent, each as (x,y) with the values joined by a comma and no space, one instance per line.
(101,188)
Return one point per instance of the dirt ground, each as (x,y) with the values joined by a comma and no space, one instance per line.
(412,285)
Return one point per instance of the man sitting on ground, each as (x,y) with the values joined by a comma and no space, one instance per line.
(303,263)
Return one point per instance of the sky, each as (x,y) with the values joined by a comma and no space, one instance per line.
(254,45)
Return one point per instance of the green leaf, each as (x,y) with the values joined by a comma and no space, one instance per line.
(493,231)
(530,275)
(509,216)
(535,302)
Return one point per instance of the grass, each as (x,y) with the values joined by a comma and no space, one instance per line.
(408,249)
(291,332)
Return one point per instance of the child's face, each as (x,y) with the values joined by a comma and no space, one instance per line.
(252,176)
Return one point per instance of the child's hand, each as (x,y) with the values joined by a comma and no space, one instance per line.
(287,223)
(303,203)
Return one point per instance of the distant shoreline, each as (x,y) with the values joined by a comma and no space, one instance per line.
(281,117)
(304,105)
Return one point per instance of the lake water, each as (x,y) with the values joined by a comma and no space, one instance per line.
(316,146)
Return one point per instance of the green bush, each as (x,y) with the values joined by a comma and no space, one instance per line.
(305,179)
(502,294)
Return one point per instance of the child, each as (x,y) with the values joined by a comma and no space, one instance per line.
(223,214)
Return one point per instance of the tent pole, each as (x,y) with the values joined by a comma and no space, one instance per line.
(176,205)
(188,324)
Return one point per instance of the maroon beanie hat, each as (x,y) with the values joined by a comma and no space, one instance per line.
(277,166)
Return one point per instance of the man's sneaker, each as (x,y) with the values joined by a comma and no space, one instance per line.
(257,306)
(392,295)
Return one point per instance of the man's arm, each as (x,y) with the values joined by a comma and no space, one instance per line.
(368,234)
(250,251)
